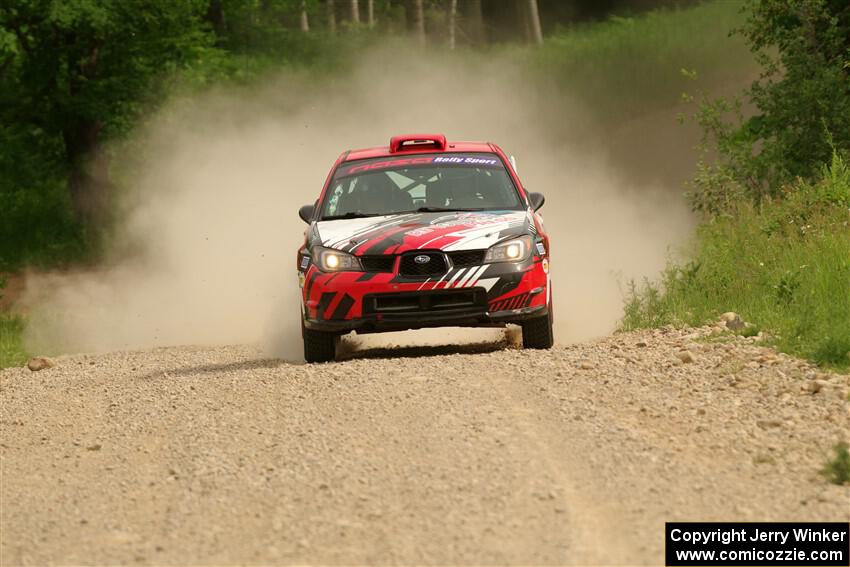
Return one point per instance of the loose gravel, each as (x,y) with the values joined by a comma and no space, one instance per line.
(480,454)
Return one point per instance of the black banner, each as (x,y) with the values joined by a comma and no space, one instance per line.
(758,543)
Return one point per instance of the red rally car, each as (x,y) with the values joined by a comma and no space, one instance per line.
(423,233)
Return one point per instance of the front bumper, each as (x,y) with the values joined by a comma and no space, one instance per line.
(457,317)
(368,303)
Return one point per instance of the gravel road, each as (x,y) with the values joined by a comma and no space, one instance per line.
(481,454)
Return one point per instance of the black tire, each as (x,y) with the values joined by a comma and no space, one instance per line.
(319,346)
(537,333)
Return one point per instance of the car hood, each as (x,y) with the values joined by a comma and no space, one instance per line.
(394,234)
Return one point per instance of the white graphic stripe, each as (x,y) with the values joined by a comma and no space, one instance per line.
(367,230)
(479,237)
(432,240)
(440,280)
(423,284)
(338,232)
(487,283)
(454,277)
(474,279)
(465,278)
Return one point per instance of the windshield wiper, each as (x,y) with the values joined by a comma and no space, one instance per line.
(352,215)
(357,215)
(446,209)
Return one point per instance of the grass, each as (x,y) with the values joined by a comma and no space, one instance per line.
(11,345)
(11,331)
(783,266)
(630,66)
(837,469)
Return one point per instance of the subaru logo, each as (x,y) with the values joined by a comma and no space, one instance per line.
(422,259)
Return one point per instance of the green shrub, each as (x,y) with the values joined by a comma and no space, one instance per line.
(783,265)
(749,331)
(794,116)
(837,469)
(37,227)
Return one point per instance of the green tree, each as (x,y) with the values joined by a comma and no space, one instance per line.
(800,103)
(75,72)
(803,97)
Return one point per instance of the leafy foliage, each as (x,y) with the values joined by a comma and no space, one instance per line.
(783,264)
(803,96)
(83,60)
(774,189)
(793,117)
(72,74)
(77,75)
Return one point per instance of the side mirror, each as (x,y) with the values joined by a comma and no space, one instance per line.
(536,200)
(306,212)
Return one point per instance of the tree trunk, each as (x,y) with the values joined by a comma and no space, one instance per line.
(420,21)
(215,16)
(370,5)
(88,165)
(305,21)
(452,23)
(355,12)
(521,11)
(475,19)
(534,22)
(329,4)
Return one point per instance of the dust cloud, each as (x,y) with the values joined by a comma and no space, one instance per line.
(206,249)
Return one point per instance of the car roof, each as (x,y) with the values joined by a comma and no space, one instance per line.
(417,144)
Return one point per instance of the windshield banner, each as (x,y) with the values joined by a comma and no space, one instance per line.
(455,160)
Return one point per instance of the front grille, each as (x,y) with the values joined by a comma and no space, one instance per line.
(377,263)
(426,302)
(467,258)
(435,266)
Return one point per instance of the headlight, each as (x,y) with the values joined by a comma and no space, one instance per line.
(510,251)
(330,260)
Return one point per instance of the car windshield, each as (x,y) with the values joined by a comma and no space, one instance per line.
(421,182)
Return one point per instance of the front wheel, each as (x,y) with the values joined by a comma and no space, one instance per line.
(538,333)
(319,346)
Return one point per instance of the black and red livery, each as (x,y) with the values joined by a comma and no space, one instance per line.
(423,233)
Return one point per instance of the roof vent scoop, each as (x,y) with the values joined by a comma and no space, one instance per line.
(413,142)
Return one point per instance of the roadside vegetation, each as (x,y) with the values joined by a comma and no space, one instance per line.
(11,327)
(783,264)
(774,194)
(12,351)
(837,469)
(625,67)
